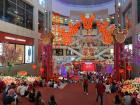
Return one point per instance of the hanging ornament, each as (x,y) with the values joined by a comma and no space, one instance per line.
(87,22)
(120,37)
(41,70)
(34,66)
(129,68)
(121,71)
(47,39)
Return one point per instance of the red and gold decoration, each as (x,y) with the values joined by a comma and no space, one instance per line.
(34,66)
(106,32)
(46,39)
(22,73)
(67,36)
(110,33)
(120,35)
(87,22)
(121,71)
(41,70)
(129,68)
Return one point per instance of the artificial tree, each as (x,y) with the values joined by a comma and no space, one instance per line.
(9,56)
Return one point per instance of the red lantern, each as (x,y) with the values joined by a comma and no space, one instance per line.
(41,70)
(129,68)
(34,66)
(121,71)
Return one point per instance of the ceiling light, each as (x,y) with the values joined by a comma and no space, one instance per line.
(119,4)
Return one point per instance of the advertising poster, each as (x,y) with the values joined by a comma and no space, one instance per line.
(28,54)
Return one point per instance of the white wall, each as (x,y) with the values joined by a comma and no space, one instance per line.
(65,9)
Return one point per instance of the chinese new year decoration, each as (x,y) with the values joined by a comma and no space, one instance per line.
(34,66)
(109,33)
(22,73)
(121,71)
(41,70)
(129,68)
(88,22)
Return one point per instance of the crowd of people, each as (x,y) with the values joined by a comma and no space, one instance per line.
(11,93)
(106,85)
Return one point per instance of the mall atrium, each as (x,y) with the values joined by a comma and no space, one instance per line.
(69,52)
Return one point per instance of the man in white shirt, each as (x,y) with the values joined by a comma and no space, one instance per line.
(23,89)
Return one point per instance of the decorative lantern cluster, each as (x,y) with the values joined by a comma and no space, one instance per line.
(87,22)
(67,36)
(106,31)
(109,33)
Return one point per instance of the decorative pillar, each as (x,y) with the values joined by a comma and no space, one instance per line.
(47,53)
(47,39)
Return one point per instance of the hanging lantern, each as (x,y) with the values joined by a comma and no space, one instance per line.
(129,68)
(41,70)
(121,71)
(34,66)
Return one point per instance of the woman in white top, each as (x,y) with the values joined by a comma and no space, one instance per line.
(107,88)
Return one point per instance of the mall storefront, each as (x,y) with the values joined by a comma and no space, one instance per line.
(20,43)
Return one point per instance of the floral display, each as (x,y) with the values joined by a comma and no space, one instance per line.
(9,79)
(131,86)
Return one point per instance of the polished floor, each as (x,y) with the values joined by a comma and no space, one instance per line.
(72,94)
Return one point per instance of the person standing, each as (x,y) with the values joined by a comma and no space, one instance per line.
(100,91)
(127,99)
(117,100)
(52,101)
(85,85)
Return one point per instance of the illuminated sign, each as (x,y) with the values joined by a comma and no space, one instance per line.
(14,39)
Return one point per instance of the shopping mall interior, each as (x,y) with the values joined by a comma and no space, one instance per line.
(69,52)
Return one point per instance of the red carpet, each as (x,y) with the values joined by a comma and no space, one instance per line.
(72,94)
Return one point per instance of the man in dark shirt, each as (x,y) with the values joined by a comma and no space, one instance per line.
(100,91)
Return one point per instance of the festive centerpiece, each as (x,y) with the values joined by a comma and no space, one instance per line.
(131,86)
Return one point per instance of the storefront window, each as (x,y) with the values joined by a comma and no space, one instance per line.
(28,54)
(128,18)
(20,49)
(40,22)
(12,46)
(1,9)
(29,16)
(10,11)
(138,10)
(17,12)
(42,3)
